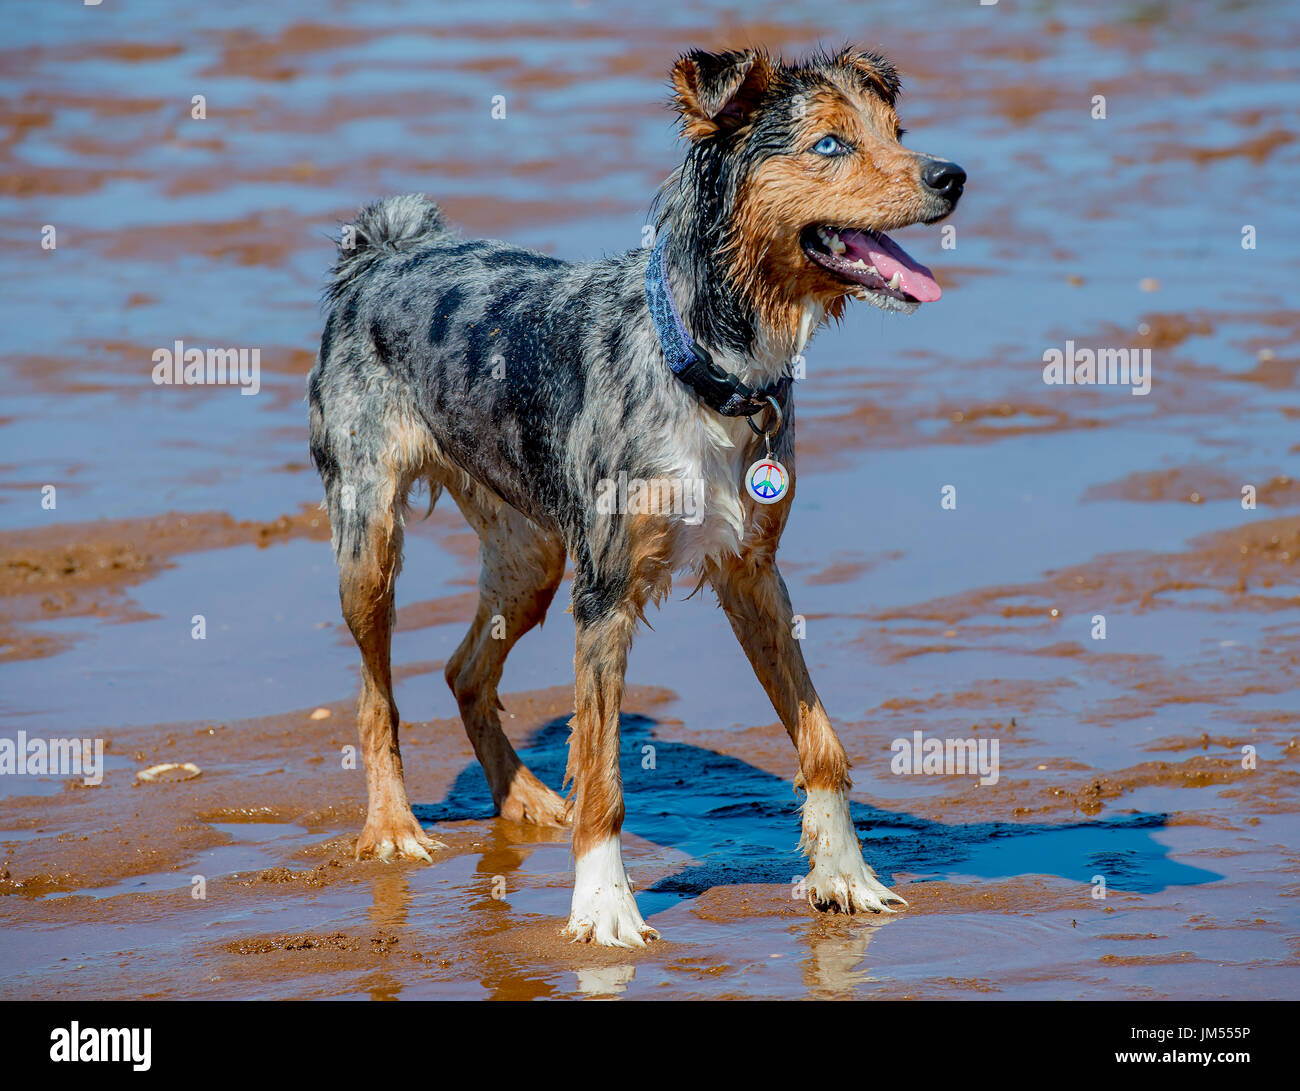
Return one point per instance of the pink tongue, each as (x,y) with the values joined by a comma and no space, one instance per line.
(890,258)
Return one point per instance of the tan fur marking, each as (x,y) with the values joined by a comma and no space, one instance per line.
(366,594)
(754,597)
(600,662)
(701,116)
(650,541)
(876,187)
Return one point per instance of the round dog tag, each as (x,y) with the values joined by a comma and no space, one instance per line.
(767,480)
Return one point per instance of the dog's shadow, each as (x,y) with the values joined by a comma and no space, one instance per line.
(741,824)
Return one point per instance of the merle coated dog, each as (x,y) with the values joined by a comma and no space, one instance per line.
(523,385)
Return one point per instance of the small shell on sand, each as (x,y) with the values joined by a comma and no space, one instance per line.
(320,714)
(170,771)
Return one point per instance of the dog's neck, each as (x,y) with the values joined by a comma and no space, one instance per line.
(717,318)
(712,308)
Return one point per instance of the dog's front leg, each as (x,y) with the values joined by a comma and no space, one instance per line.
(604,910)
(754,596)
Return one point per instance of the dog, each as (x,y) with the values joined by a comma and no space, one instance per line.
(519,383)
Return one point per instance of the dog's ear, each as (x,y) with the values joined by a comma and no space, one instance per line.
(873,72)
(716,91)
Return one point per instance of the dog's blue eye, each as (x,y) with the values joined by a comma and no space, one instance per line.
(829,145)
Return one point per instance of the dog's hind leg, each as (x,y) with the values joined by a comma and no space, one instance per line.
(367,463)
(522,567)
(366,585)
(754,597)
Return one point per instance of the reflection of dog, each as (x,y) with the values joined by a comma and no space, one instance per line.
(517,382)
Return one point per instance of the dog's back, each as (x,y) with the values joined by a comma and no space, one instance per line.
(482,347)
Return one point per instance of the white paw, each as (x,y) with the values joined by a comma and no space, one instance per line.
(604,911)
(839,877)
(847,892)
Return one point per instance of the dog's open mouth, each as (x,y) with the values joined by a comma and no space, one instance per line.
(881,271)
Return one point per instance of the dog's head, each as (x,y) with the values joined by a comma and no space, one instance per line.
(801,170)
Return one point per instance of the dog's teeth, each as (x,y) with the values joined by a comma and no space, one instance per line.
(837,247)
(821,234)
(859,264)
(895,281)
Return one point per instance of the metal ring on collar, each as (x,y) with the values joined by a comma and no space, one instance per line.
(768,433)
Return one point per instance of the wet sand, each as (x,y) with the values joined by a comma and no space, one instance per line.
(1120,757)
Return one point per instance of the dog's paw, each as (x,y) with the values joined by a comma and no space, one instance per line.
(391,838)
(850,892)
(610,926)
(839,878)
(530,801)
(604,911)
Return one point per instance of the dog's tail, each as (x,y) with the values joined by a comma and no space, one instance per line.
(385,227)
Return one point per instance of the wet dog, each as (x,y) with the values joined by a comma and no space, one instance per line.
(522,384)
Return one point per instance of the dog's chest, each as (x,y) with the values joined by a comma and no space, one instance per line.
(709,454)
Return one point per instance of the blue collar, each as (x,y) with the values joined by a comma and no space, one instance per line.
(690,362)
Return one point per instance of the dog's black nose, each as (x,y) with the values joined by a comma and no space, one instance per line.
(943,178)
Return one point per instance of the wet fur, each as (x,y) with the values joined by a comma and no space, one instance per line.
(516,382)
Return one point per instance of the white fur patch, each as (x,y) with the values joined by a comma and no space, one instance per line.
(708,449)
(604,911)
(702,445)
(838,876)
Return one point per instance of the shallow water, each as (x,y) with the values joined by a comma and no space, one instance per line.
(1118,757)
